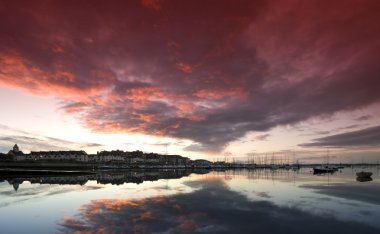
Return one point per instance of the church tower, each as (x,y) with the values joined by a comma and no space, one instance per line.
(15,148)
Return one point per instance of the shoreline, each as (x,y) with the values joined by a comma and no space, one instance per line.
(88,166)
(85,166)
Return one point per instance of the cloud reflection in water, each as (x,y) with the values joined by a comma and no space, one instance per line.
(211,208)
(362,193)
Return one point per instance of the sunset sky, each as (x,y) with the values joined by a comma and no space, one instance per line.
(204,79)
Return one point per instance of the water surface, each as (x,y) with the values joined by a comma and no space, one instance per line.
(178,201)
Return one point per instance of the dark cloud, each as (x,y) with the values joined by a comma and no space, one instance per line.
(213,208)
(192,70)
(199,147)
(367,137)
(351,126)
(322,132)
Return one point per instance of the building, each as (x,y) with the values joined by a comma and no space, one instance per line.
(6,157)
(17,154)
(174,160)
(110,156)
(136,157)
(78,156)
(152,158)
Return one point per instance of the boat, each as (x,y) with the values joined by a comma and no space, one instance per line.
(364,174)
(324,169)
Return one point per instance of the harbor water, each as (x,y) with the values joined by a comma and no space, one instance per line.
(180,201)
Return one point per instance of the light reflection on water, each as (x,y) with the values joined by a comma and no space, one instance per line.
(238,201)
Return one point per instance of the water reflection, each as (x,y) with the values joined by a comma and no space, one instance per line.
(182,201)
(214,208)
(364,179)
(102,177)
(353,192)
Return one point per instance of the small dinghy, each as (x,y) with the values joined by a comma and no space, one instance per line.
(364,174)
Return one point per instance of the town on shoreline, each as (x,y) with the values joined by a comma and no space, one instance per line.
(15,158)
(114,158)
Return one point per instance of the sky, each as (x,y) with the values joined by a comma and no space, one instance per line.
(204,79)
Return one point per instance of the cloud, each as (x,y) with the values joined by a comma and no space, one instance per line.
(152,4)
(351,126)
(15,130)
(322,132)
(368,137)
(45,143)
(37,142)
(154,67)
(262,137)
(363,118)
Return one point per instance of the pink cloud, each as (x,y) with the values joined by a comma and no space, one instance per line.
(190,70)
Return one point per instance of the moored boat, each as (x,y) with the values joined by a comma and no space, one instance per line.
(364,174)
(324,169)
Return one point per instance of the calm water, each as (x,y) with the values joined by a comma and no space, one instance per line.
(201,202)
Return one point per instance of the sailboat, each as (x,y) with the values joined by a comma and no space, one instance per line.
(325,168)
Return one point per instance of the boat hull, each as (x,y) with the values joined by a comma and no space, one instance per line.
(323,169)
(364,174)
